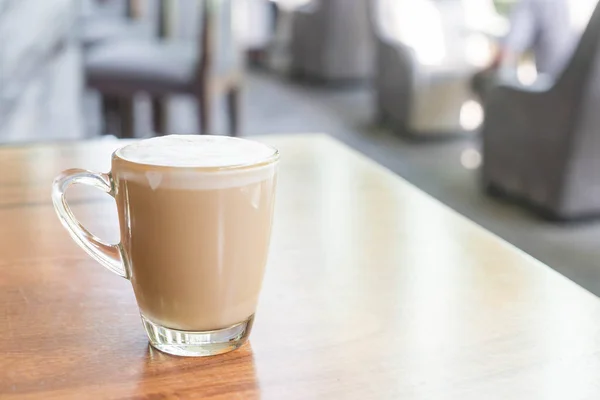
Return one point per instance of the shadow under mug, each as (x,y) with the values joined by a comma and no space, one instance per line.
(194,243)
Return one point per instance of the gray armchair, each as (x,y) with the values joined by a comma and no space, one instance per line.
(332,40)
(541,144)
(424,69)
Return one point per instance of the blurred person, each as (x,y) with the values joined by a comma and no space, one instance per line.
(548,29)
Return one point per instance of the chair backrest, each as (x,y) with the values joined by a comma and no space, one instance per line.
(581,77)
(576,96)
(218,48)
(577,72)
(355,14)
(340,38)
(110,9)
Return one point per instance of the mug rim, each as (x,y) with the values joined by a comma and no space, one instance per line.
(271,159)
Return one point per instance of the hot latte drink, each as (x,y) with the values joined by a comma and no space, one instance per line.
(195,215)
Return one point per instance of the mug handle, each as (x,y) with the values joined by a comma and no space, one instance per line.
(109,255)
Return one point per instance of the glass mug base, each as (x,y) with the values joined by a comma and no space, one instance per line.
(197,343)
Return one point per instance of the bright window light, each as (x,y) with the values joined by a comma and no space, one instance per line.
(470,159)
(581,12)
(417,24)
(478,50)
(471,115)
(527,73)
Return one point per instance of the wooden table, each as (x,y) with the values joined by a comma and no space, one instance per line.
(374,291)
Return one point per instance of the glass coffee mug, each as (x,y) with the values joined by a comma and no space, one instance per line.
(195,216)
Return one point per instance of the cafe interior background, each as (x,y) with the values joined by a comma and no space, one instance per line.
(393,79)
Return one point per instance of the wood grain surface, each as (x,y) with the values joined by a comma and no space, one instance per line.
(374,291)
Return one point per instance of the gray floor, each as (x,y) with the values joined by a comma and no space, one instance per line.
(275,105)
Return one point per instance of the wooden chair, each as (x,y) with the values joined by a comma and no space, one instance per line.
(123,68)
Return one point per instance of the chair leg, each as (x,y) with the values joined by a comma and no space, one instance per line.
(160,116)
(126,113)
(110,115)
(233,110)
(204,110)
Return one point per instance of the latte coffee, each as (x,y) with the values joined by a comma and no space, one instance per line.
(197,238)
(195,216)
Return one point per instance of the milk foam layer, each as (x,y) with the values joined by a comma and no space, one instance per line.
(196,151)
(182,153)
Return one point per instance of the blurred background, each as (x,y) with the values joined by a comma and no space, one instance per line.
(491,106)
